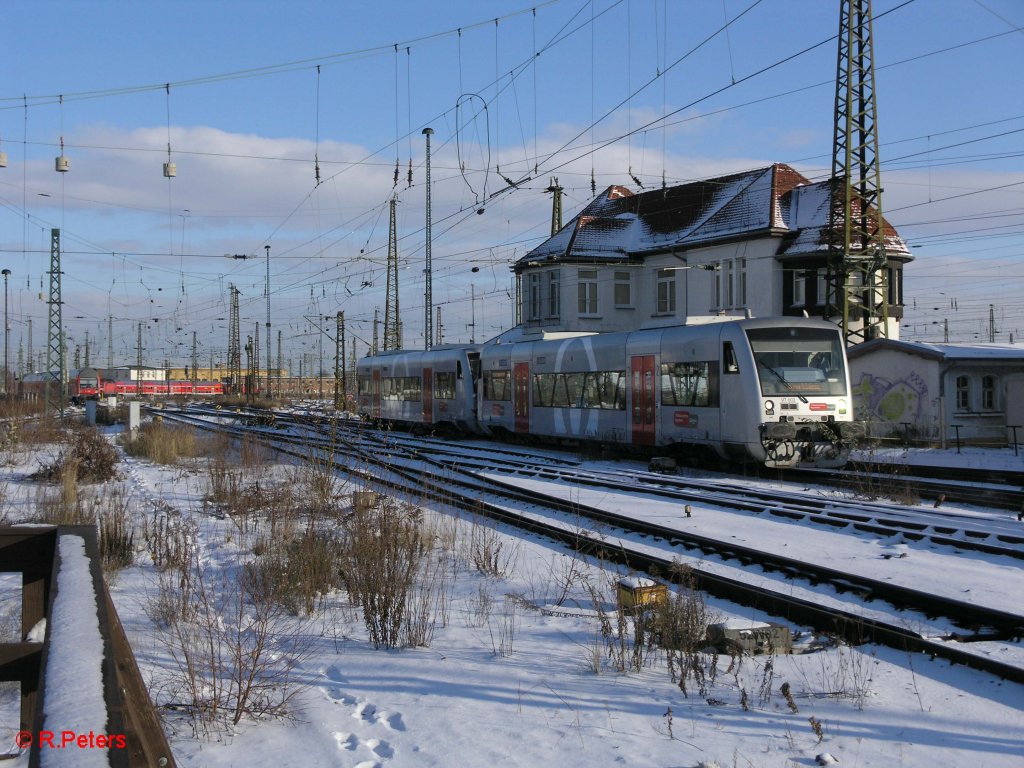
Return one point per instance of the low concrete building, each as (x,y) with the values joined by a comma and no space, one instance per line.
(935,392)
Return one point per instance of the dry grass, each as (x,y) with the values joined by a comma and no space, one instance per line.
(162,443)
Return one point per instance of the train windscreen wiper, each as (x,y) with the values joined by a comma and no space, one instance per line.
(782,378)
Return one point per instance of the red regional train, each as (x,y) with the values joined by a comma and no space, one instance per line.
(91,384)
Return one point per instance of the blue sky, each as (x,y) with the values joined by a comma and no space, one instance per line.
(249,94)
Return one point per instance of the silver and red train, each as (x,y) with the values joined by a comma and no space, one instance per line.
(774,391)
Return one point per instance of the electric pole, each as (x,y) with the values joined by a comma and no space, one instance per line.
(857,262)
(428,293)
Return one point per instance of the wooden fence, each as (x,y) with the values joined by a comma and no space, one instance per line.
(34,552)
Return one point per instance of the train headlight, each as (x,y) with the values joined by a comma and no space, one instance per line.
(842,406)
(769,406)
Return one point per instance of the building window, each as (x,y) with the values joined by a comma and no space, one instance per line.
(587,291)
(963,393)
(895,279)
(799,288)
(822,295)
(728,298)
(730,283)
(988,393)
(666,291)
(535,301)
(741,282)
(554,300)
(623,289)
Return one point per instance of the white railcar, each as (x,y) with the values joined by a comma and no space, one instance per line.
(423,389)
(775,390)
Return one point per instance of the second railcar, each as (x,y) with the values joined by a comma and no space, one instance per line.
(423,389)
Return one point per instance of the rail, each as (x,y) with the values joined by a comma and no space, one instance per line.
(131,734)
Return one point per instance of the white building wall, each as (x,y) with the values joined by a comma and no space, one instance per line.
(897,393)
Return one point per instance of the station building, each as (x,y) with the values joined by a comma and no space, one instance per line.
(751,242)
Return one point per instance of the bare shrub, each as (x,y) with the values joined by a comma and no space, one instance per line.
(298,572)
(117,531)
(503,630)
(64,505)
(628,637)
(681,625)
(233,646)
(487,550)
(253,454)
(844,672)
(225,480)
(385,548)
(324,487)
(10,441)
(480,606)
(94,458)
(170,537)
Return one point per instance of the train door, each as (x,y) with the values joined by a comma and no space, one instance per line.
(642,392)
(428,396)
(733,410)
(521,396)
(375,393)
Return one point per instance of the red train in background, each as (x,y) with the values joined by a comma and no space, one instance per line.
(91,384)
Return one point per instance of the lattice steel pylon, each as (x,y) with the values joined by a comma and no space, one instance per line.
(234,344)
(55,368)
(857,262)
(392,328)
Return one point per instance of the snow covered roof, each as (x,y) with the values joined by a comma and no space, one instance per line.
(619,225)
(806,211)
(948,351)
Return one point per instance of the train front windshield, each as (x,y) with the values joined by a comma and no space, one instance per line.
(798,361)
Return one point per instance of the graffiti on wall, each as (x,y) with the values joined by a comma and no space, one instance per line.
(895,401)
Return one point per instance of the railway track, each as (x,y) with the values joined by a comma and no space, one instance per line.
(405,469)
(978,487)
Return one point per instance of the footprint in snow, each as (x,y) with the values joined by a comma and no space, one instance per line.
(346,740)
(392,720)
(334,674)
(334,692)
(380,748)
(365,711)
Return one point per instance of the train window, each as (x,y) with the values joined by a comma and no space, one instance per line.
(444,385)
(729,364)
(798,361)
(691,384)
(593,389)
(401,388)
(543,386)
(497,385)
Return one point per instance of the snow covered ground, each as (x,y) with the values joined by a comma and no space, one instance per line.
(514,675)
